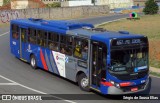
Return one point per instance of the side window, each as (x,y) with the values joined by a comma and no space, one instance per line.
(81,48)
(69,43)
(32,36)
(66,44)
(42,38)
(53,41)
(15,31)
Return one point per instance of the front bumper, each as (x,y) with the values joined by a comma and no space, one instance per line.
(127,90)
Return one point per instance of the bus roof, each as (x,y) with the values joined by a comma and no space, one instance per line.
(103,35)
(73,28)
(50,24)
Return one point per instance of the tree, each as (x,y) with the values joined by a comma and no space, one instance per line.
(53,5)
(5,2)
(151,7)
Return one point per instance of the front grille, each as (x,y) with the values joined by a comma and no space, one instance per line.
(131,77)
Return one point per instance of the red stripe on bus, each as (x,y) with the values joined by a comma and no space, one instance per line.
(106,83)
(43,60)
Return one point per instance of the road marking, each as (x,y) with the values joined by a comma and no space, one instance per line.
(4,33)
(35,89)
(9,84)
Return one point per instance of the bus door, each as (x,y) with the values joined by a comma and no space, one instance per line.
(23,34)
(98,63)
(14,44)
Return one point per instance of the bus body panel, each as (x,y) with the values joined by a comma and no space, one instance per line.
(23,50)
(15,47)
(47,60)
(22,41)
(69,66)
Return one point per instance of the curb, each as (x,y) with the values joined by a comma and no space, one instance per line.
(154,74)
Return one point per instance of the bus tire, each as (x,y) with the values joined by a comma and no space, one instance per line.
(83,82)
(33,62)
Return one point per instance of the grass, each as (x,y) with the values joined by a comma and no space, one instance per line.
(147,25)
(155,74)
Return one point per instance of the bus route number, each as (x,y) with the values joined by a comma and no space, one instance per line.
(127,42)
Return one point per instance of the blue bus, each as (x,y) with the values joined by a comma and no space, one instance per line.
(105,61)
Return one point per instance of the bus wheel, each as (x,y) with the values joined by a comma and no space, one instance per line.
(33,62)
(83,82)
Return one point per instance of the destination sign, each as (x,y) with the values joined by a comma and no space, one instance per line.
(119,42)
(133,41)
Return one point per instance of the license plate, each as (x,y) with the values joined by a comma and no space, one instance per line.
(134,89)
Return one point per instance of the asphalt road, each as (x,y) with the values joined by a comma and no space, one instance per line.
(17,77)
(102,19)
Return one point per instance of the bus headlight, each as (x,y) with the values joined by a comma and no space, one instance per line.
(115,84)
(112,82)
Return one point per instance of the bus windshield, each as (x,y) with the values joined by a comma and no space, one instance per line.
(129,61)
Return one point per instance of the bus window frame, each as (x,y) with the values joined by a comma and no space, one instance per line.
(74,45)
(15,32)
(31,35)
(65,43)
(42,37)
(23,36)
(52,40)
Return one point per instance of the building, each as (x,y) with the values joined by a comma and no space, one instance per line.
(1,2)
(76,3)
(52,1)
(116,3)
(23,4)
(139,2)
(112,3)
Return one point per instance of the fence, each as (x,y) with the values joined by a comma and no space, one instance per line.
(53,13)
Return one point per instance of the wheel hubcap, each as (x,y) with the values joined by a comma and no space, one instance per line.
(33,62)
(84,82)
